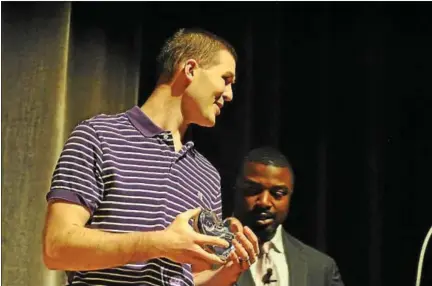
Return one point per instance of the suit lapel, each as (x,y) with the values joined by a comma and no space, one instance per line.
(297,266)
(246,279)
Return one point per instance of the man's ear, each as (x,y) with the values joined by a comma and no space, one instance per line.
(190,68)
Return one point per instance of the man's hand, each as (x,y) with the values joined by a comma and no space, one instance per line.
(246,249)
(244,255)
(183,245)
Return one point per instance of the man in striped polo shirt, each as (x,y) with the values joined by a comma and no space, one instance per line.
(126,186)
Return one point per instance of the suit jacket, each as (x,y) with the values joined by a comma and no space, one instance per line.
(307,266)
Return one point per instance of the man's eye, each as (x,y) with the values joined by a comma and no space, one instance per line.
(279,193)
(251,189)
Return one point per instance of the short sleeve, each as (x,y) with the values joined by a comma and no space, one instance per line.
(77,177)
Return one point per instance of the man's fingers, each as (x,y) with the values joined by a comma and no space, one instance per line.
(203,239)
(242,255)
(234,225)
(234,257)
(209,258)
(247,246)
(240,251)
(190,213)
(253,239)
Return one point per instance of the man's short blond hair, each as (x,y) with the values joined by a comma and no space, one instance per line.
(185,44)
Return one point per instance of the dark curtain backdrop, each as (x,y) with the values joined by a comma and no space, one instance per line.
(342,89)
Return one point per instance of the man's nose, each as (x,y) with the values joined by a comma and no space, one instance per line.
(228,93)
(264,199)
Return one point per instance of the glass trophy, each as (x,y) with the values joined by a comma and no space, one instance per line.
(209,224)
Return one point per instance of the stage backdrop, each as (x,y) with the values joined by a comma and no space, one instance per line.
(343,89)
(57,69)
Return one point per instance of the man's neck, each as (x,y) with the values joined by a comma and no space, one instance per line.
(164,109)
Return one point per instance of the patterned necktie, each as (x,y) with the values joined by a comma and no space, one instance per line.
(266,270)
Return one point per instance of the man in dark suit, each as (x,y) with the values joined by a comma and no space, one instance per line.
(263,193)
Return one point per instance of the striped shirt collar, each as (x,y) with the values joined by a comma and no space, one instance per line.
(142,122)
(147,128)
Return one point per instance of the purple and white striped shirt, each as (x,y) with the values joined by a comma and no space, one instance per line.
(124,169)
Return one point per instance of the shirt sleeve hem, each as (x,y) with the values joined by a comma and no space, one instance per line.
(72,197)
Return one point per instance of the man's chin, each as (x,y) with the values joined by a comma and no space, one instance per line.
(205,120)
(264,233)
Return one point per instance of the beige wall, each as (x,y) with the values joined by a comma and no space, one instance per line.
(50,81)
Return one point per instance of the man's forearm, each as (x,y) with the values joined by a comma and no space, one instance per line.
(79,248)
